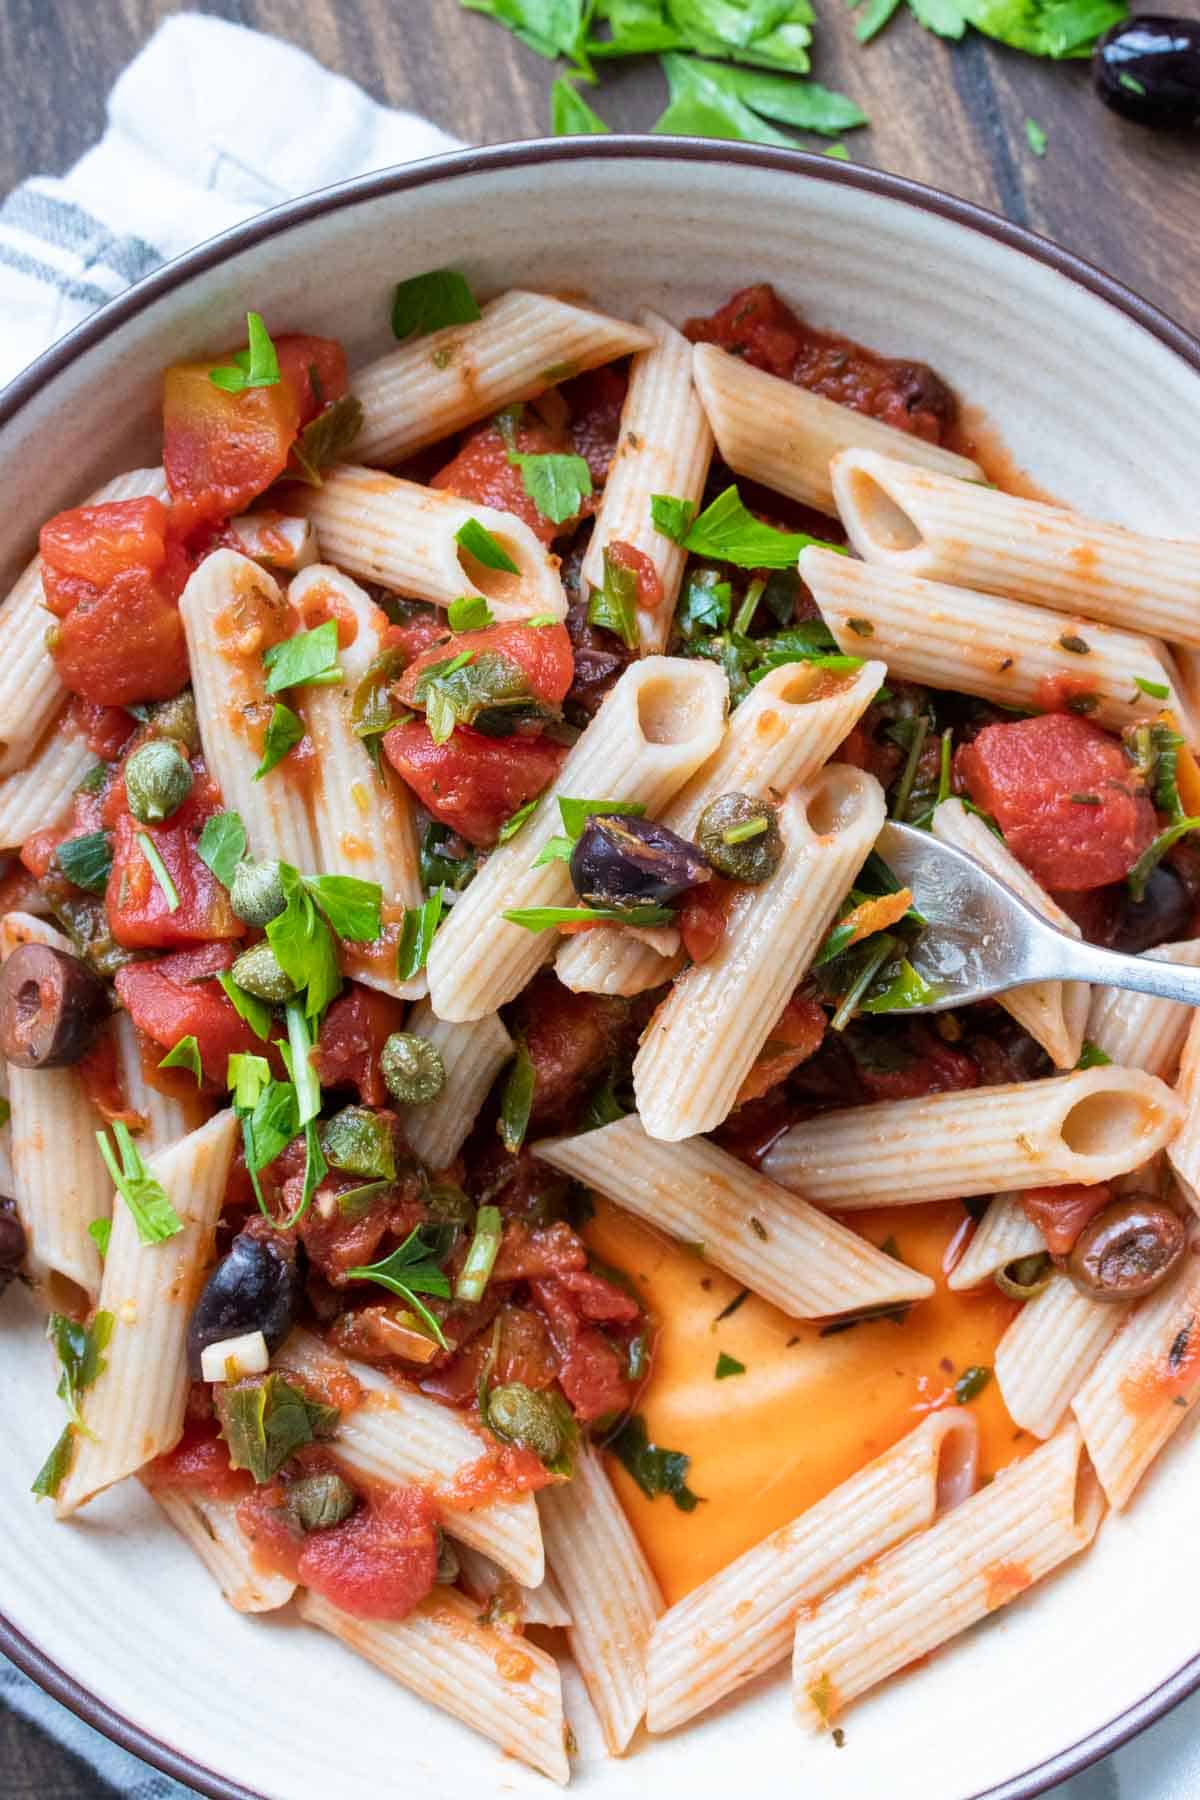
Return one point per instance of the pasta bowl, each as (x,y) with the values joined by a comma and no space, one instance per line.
(1096,396)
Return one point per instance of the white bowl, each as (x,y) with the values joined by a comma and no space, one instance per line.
(1098,396)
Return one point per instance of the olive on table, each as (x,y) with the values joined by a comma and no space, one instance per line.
(412,1068)
(256,893)
(1127,1249)
(12,1241)
(741,838)
(51,1007)
(255,1287)
(1163,914)
(525,1417)
(258,971)
(624,861)
(1148,69)
(158,779)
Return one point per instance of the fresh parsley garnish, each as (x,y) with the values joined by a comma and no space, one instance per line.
(614,605)
(411,1269)
(315,907)
(161,873)
(1157,690)
(1091,1056)
(514,822)
(256,366)
(416,936)
(655,1470)
(185,1055)
(86,861)
(570,114)
(144,1195)
(575,815)
(222,845)
(310,659)
(325,440)
(283,734)
(56,1467)
(516,1101)
(266,1420)
(257,1013)
(543,918)
(726,1366)
(80,1350)
(470,613)
(430,302)
(100,1232)
(728,531)
(478,542)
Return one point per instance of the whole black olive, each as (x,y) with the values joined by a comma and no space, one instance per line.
(1163,914)
(254,1288)
(12,1241)
(1127,1249)
(1148,69)
(51,1007)
(623,861)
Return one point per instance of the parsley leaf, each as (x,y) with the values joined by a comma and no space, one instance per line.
(550,27)
(726,1366)
(222,845)
(557,485)
(416,936)
(470,613)
(570,114)
(728,531)
(310,659)
(514,822)
(256,366)
(56,1467)
(100,1232)
(283,734)
(1157,690)
(80,1350)
(325,440)
(352,907)
(516,1102)
(478,542)
(656,1471)
(303,944)
(257,1013)
(430,302)
(142,1192)
(1091,1056)
(410,1270)
(1036,137)
(266,1420)
(614,606)
(576,813)
(185,1055)
(671,516)
(710,99)
(86,861)
(162,874)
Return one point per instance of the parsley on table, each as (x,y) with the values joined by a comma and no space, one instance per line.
(1035,137)
(142,1192)
(256,366)
(655,1470)
(570,114)
(432,301)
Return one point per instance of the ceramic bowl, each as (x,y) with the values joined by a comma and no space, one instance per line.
(1097,395)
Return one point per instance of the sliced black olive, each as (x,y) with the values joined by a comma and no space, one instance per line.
(1148,69)
(1163,914)
(1127,1249)
(254,1288)
(620,861)
(741,838)
(51,1007)
(12,1241)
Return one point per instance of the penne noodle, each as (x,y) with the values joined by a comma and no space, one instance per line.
(232,612)
(1054,1013)
(952,637)
(1004,1235)
(783,732)
(395,1435)
(1048,1349)
(664,447)
(42,792)
(741,1621)
(802,1261)
(1143,1387)
(8,1181)
(1138,1030)
(1087,1126)
(1035,1515)
(610,1593)
(1183,1152)
(60,1183)
(922,522)
(521,344)
(165,1119)
(772,431)
(487,1582)
(500,1684)
(135,1411)
(705,1037)
(472,1056)
(31,695)
(663,718)
(210,1526)
(275,539)
(362,816)
(403,536)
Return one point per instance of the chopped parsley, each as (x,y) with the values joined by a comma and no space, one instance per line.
(543,918)
(655,1470)
(266,1420)
(478,542)
(614,606)
(1091,1056)
(410,1270)
(310,659)
(728,531)
(222,845)
(516,1101)
(185,1055)
(149,1207)
(726,1366)
(325,440)
(256,366)
(469,613)
(284,732)
(416,936)
(430,302)
(1035,137)
(86,861)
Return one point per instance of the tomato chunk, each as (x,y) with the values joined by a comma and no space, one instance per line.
(795,1036)
(353,1033)
(571,1039)
(315,370)
(177,996)
(649,582)
(703,912)
(221,450)
(112,576)
(138,910)
(481,471)
(471,782)
(380,1562)
(592,1372)
(1062,792)
(542,652)
(199,1462)
(1060,1213)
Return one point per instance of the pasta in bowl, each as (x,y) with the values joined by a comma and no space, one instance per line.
(462,775)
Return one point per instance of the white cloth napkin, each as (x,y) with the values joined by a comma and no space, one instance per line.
(210,124)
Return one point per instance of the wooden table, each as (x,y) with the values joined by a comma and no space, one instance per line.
(951,115)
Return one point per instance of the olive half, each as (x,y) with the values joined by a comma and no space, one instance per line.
(1127,1249)
(51,1007)
(254,1288)
(624,861)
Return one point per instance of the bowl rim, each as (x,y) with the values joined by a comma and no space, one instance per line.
(400,178)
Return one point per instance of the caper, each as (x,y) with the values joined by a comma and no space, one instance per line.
(257,971)
(740,837)
(12,1241)
(359,1142)
(412,1067)
(318,1501)
(256,893)
(1026,1276)
(158,779)
(447,1562)
(176,718)
(521,1415)
(447,1204)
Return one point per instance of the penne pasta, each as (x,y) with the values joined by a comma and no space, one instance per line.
(705,1037)
(952,637)
(1004,1235)
(404,536)
(1138,1030)
(41,793)
(1048,1349)
(165,1119)
(1054,1013)
(472,1056)
(500,1684)
(741,1621)
(233,611)
(395,1435)
(1183,1152)
(1087,1126)
(610,1592)
(663,718)
(60,1183)
(664,447)
(803,1262)
(135,1411)
(486,1582)
(923,522)
(276,540)
(773,431)
(1144,1386)
(1035,1516)
(520,344)
(210,1527)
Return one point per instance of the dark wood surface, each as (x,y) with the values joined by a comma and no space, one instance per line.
(951,115)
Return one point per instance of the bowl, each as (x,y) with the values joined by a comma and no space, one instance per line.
(1097,396)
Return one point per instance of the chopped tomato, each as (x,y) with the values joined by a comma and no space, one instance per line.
(354,1031)
(221,450)
(471,782)
(649,583)
(315,370)
(525,1353)
(571,1039)
(592,1372)
(139,912)
(481,471)
(104,729)
(199,1461)
(1060,1213)
(100,1076)
(913,1065)
(417,634)
(178,996)
(1065,693)
(1062,792)
(702,914)
(527,1254)
(599,1299)
(338,1242)
(794,1038)
(542,653)
(112,576)
(380,1562)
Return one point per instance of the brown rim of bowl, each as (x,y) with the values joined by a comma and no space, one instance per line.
(26,1655)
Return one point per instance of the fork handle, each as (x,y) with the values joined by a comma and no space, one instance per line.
(1076,961)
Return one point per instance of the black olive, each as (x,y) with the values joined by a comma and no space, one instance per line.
(51,1007)
(254,1288)
(1148,69)
(627,861)
(923,391)
(12,1241)
(1162,915)
(1127,1249)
